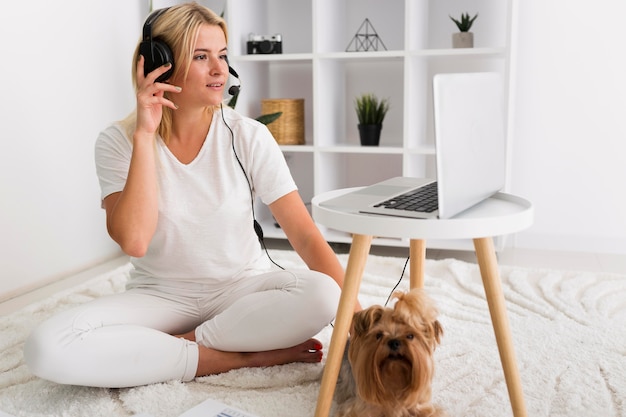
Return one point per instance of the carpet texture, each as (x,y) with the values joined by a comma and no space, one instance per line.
(569,331)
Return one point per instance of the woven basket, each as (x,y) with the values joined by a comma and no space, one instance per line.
(288,129)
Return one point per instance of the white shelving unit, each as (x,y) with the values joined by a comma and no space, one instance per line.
(315,66)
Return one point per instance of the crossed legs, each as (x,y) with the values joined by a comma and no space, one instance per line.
(144,336)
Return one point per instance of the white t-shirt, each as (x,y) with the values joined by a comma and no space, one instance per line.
(205,227)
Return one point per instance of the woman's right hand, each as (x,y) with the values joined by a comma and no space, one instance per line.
(132,214)
(151,98)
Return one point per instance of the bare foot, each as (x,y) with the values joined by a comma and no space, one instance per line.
(309,351)
(214,361)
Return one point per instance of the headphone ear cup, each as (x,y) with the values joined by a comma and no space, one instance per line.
(156,54)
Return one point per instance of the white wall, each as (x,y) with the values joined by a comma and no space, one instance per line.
(570,136)
(65,75)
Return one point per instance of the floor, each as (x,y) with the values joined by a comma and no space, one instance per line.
(529,258)
(596,262)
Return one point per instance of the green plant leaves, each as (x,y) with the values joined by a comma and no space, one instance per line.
(370,110)
(266,119)
(465,23)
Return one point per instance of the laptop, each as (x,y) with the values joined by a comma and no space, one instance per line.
(470,154)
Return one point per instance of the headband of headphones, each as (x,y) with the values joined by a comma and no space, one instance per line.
(152,17)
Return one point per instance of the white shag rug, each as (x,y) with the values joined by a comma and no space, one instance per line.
(569,331)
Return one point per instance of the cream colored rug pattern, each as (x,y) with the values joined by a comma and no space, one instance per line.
(569,331)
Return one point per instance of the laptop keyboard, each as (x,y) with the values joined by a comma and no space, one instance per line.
(423,199)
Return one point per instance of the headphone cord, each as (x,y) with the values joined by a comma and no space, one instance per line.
(393,289)
(399,281)
(258,230)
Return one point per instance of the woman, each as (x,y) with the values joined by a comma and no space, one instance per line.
(178,178)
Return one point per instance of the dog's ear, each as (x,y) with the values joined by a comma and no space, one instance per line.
(437,330)
(363,320)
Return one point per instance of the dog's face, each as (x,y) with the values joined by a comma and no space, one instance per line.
(391,351)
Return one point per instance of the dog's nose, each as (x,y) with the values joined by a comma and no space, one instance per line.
(394,344)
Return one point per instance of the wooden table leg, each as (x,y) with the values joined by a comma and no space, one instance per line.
(417,253)
(486,256)
(354,272)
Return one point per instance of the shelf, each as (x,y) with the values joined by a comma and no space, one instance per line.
(297,148)
(315,66)
(273,58)
(422,150)
(270,231)
(460,53)
(497,52)
(358,149)
(376,55)
(362,56)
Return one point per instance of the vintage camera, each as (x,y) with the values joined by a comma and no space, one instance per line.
(263,44)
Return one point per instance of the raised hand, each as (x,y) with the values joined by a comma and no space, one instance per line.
(151,98)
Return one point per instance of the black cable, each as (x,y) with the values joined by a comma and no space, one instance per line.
(232,144)
(268,254)
(258,230)
(400,280)
(393,289)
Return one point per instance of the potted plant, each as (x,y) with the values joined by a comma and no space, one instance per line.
(370,112)
(464,38)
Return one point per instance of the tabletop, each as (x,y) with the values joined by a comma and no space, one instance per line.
(498,215)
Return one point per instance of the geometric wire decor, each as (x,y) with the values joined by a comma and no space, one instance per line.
(365,39)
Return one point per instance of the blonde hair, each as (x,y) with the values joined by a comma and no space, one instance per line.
(178,27)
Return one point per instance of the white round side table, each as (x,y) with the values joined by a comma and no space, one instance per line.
(500,214)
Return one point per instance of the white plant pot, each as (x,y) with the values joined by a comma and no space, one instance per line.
(463,40)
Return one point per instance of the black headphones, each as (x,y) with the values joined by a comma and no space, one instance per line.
(155,52)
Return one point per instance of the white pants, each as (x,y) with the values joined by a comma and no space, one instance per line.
(125,339)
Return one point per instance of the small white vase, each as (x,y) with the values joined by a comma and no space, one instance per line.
(463,40)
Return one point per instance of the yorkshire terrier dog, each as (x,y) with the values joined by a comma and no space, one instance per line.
(388,365)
